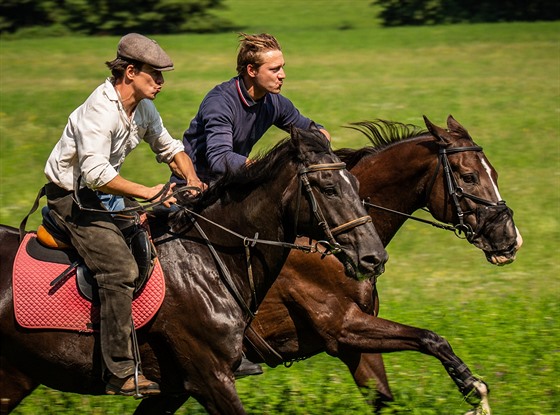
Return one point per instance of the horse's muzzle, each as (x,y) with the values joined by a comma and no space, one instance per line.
(496,234)
(369,266)
(505,256)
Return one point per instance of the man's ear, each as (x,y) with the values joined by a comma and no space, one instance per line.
(252,70)
(130,72)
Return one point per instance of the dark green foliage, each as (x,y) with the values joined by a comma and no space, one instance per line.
(15,14)
(420,12)
(114,17)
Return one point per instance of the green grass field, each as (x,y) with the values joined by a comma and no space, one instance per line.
(501,81)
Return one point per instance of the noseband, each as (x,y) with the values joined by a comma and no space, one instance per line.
(330,244)
(456,192)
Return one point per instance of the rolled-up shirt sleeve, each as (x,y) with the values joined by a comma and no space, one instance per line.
(98,137)
(161,142)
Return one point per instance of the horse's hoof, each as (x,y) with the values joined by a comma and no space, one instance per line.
(478,411)
(483,407)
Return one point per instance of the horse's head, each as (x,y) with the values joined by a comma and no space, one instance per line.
(464,191)
(324,204)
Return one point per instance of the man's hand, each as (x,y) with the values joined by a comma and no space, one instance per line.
(198,184)
(182,167)
(167,202)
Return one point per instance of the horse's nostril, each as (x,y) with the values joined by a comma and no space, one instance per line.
(372,261)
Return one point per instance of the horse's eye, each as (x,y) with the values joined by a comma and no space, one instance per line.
(329,191)
(469,178)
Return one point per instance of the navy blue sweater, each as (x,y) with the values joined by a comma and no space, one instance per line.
(229,123)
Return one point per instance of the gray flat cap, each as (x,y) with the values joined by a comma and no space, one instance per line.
(139,48)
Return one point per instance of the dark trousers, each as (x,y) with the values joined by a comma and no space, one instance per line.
(101,244)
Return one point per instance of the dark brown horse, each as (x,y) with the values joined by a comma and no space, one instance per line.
(312,307)
(195,342)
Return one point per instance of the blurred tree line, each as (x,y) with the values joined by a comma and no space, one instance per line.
(430,12)
(114,17)
(117,17)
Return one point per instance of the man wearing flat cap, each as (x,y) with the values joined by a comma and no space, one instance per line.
(87,159)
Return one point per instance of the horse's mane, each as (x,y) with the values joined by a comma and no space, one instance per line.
(381,134)
(235,185)
(265,166)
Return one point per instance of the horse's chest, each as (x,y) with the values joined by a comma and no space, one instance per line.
(364,296)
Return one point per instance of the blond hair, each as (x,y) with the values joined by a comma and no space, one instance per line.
(251,48)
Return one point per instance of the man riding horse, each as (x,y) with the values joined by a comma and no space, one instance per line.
(237,113)
(86,161)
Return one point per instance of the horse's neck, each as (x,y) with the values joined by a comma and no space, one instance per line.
(395,178)
(259,212)
(256,217)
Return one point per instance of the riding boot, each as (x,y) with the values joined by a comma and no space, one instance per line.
(247,368)
(127,386)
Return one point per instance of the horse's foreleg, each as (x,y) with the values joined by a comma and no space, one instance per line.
(219,398)
(161,404)
(364,333)
(14,386)
(365,368)
(473,389)
(217,394)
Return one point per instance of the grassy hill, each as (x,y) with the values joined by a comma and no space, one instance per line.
(501,81)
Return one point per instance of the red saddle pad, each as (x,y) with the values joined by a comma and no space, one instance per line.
(38,306)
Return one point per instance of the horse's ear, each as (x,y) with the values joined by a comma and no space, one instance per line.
(454,126)
(431,127)
(294,132)
(295,142)
(438,132)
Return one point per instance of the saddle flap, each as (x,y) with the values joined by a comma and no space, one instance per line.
(144,252)
(38,305)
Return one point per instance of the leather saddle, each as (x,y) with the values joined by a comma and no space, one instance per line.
(53,245)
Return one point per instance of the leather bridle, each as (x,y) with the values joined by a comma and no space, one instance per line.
(456,193)
(330,243)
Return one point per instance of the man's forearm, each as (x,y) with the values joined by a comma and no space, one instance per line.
(122,187)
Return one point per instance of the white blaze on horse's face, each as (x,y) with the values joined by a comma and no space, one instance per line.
(489,172)
(344,173)
(519,240)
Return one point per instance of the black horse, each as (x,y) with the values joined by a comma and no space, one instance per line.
(194,343)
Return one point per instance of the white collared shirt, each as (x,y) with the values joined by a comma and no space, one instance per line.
(98,137)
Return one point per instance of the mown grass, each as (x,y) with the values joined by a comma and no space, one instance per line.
(502,81)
